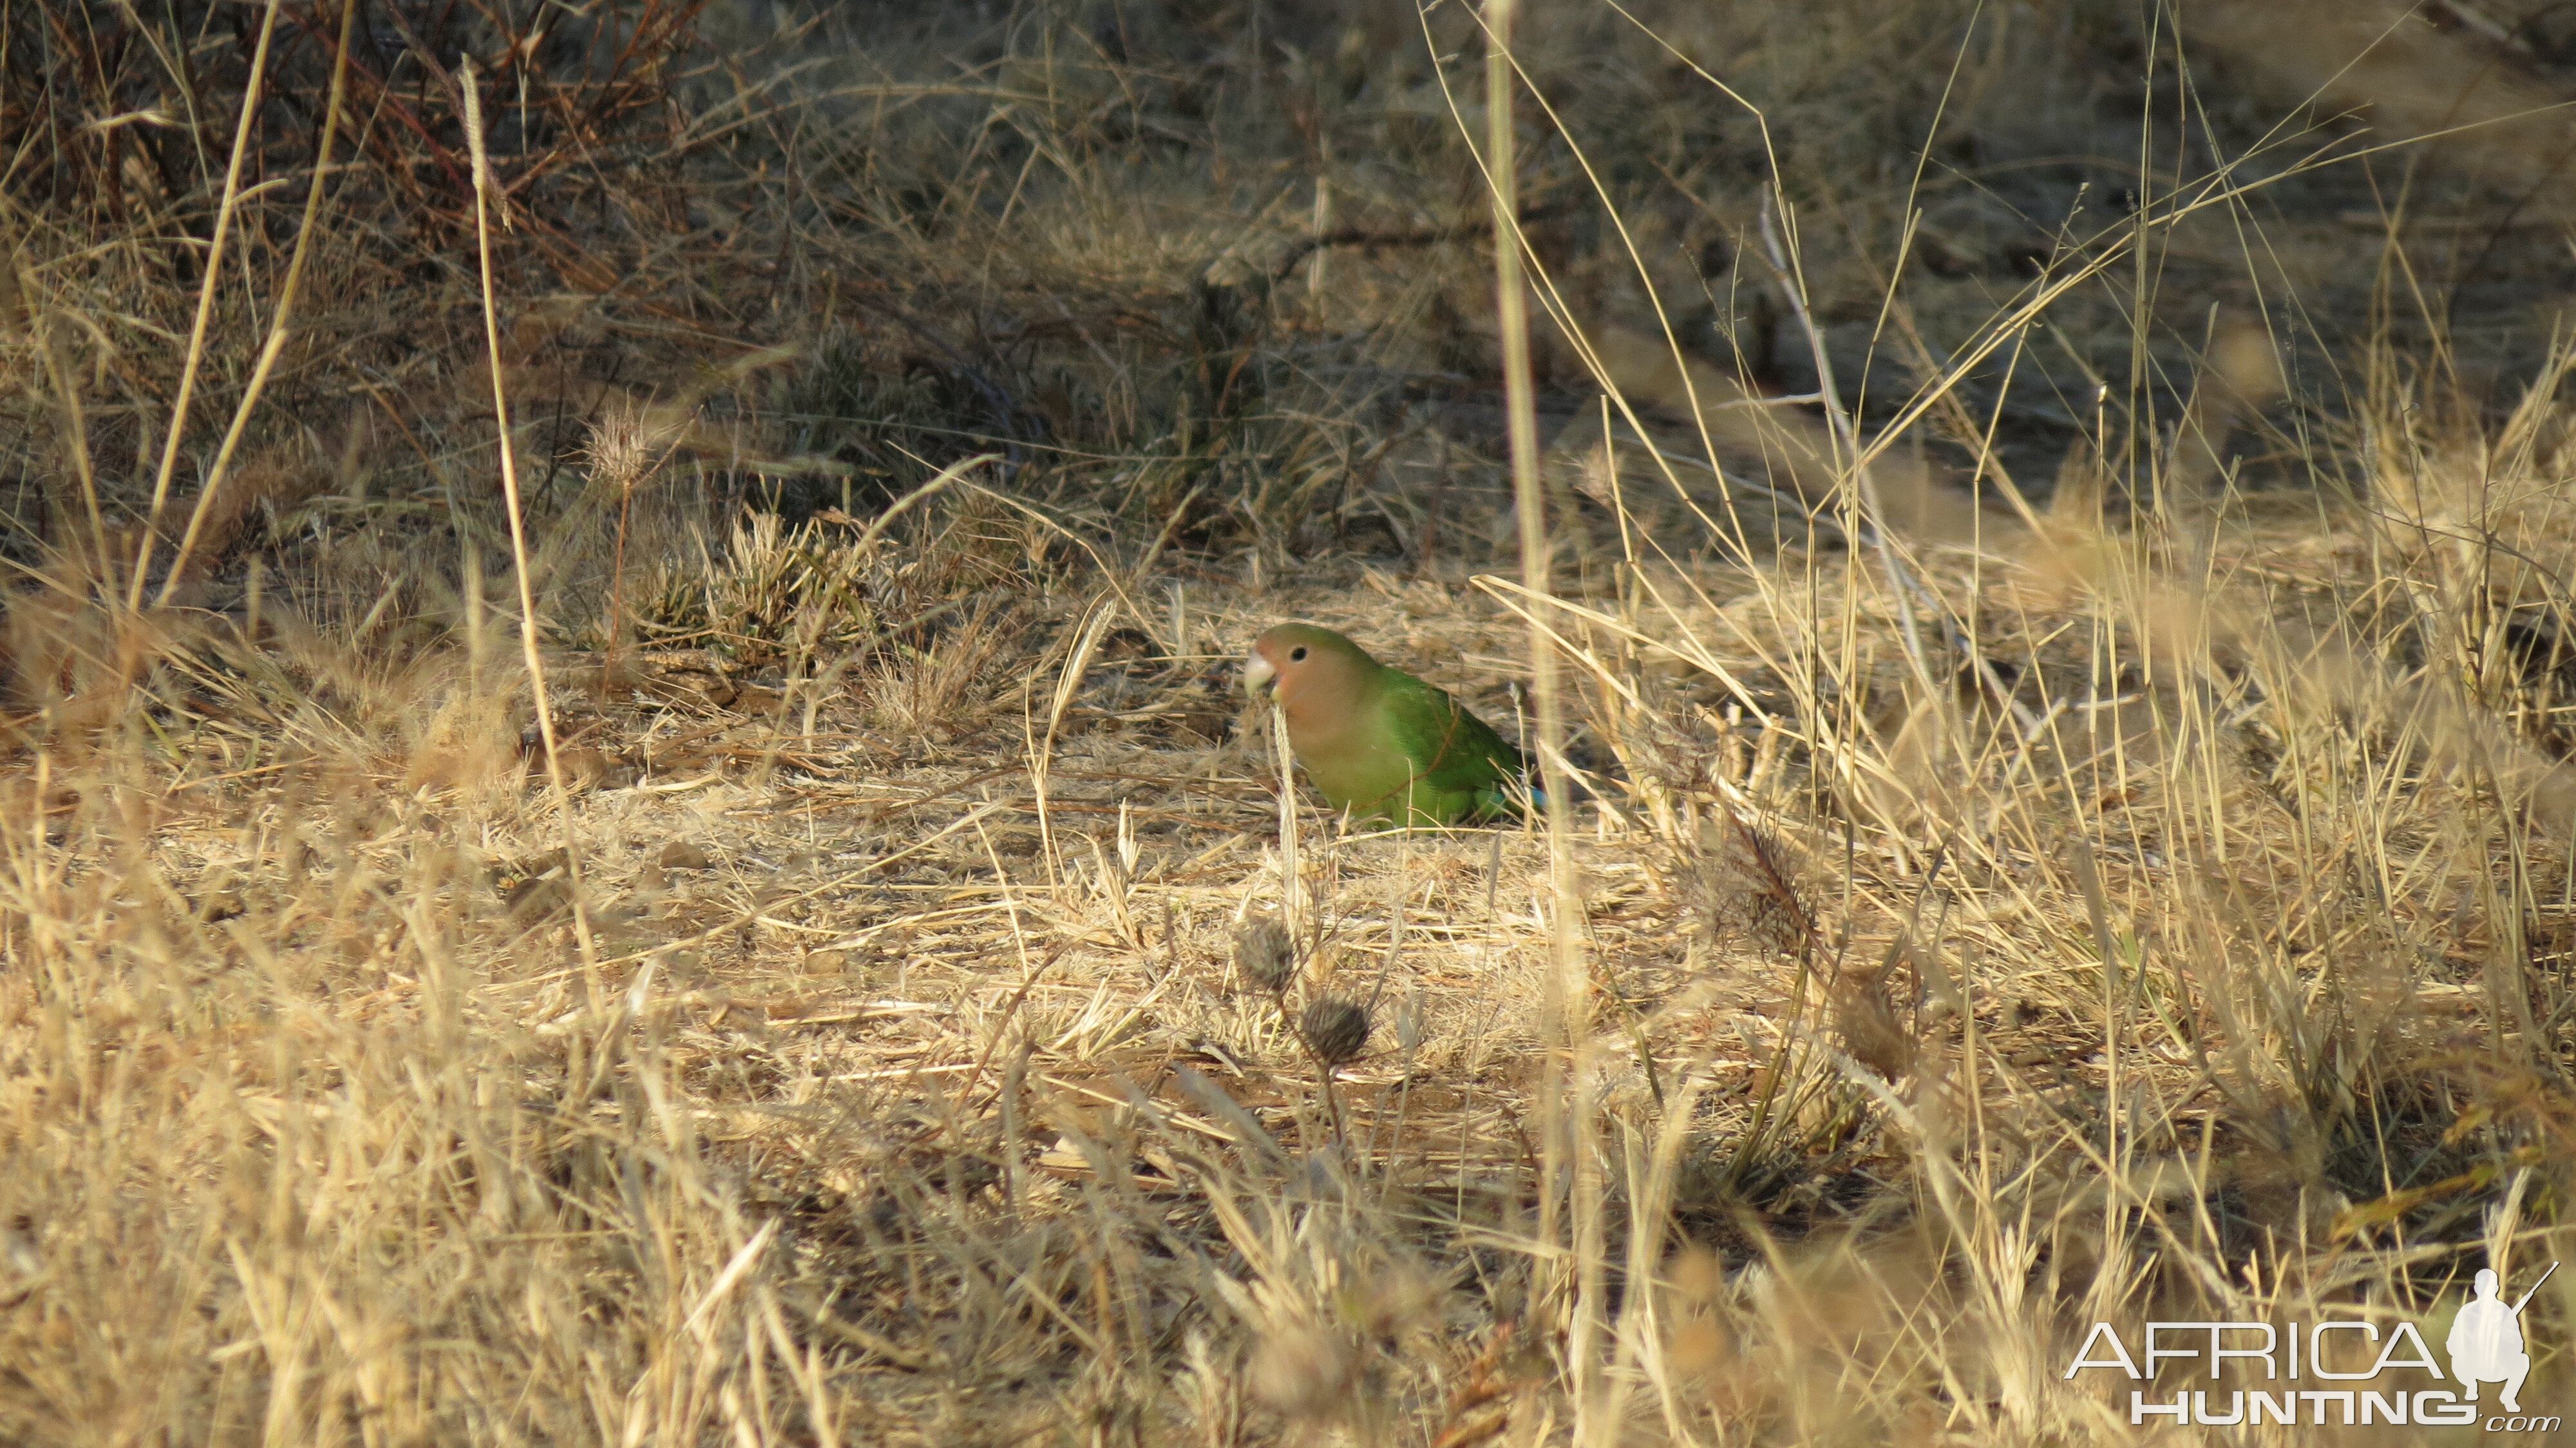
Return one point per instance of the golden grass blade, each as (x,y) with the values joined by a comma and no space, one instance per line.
(177,430)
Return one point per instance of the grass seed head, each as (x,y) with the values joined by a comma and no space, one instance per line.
(1744,887)
(1265,955)
(1336,1029)
(1872,1029)
(1302,1371)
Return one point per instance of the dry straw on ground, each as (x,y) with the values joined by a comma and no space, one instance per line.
(2050,525)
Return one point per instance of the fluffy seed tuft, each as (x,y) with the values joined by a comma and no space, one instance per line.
(1336,1029)
(1265,955)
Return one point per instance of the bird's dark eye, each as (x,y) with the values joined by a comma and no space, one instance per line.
(1297,655)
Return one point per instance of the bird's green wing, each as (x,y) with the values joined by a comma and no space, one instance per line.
(1460,763)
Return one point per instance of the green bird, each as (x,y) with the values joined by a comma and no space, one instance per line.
(1379,742)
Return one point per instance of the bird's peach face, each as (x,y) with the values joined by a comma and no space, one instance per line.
(1271,664)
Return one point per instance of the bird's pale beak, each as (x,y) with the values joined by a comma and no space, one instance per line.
(1257,674)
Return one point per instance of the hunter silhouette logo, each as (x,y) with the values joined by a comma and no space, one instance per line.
(2486,1341)
(2485,1345)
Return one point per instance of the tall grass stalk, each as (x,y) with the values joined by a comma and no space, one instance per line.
(531,626)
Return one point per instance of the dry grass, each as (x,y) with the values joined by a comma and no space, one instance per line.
(2073,822)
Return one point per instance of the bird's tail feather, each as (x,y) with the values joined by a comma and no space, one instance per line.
(1523,798)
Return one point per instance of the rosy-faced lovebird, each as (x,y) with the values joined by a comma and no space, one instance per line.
(1379,742)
